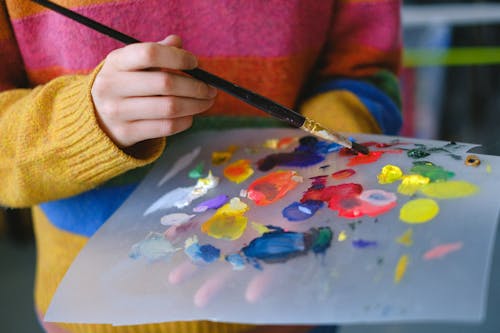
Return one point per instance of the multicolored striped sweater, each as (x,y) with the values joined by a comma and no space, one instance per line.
(334,60)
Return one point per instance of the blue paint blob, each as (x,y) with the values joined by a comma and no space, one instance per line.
(202,254)
(236,260)
(301,211)
(361,243)
(310,151)
(276,246)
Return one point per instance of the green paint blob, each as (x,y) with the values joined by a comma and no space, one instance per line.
(417,153)
(322,238)
(430,170)
(197,172)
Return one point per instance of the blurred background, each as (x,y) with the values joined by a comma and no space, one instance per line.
(451,91)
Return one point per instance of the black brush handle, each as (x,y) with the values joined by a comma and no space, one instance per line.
(265,104)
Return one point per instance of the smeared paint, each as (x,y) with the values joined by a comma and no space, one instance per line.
(228,222)
(342,174)
(298,211)
(280,246)
(342,236)
(282,143)
(362,244)
(174,231)
(371,157)
(418,211)
(430,170)
(197,171)
(200,189)
(450,189)
(169,199)
(236,260)
(154,247)
(310,151)
(180,165)
(238,171)
(271,187)
(442,250)
(213,203)
(200,254)
(410,184)
(221,157)
(176,219)
(406,238)
(417,153)
(260,228)
(389,174)
(401,267)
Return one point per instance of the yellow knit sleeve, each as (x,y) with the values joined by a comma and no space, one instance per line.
(51,145)
(341,111)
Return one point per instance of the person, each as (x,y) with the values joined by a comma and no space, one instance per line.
(82,116)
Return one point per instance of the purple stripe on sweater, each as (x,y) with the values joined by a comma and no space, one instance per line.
(222,28)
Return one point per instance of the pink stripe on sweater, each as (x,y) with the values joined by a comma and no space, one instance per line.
(375,24)
(222,28)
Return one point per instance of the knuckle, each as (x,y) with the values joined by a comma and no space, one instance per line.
(110,109)
(167,83)
(170,106)
(147,53)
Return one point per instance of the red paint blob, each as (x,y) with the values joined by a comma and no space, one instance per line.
(342,174)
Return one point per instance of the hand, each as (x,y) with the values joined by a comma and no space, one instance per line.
(140,94)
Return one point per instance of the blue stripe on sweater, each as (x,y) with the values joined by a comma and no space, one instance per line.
(83,214)
(381,107)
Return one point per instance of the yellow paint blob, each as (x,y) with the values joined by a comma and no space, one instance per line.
(488,168)
(412,183)
(419,211)
(238,171)
(220,157)
(228,222)
(400,270)
(406,238)
(389,174)
(342,236)
(260,228)
(450,189)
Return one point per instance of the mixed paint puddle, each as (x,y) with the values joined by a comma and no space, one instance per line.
(334,192)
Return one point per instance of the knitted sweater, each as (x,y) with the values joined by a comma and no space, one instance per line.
(334,60)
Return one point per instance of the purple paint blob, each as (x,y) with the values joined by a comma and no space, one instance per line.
(298,211)
(213,203)
(361,243)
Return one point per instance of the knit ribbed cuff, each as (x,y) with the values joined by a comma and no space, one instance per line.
(89,154)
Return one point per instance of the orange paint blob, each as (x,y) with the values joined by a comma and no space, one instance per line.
(238,171)
(272,187)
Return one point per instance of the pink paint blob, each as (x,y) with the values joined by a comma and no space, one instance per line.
(442,250)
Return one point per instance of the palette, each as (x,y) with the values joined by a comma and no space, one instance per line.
(271,226)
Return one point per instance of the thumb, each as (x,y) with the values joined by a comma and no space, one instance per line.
(172,40)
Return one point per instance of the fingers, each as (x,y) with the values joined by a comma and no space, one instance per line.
(157,83)
(182,273)
(260,285)
(130,133)
(211,288)
(151,55)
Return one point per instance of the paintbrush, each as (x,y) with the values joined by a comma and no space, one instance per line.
(260,102)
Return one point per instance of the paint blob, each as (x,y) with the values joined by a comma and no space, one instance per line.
(175,219)
(419,211)
(272,187)
(442,250)
(430,170)
(406,239)
(213,203)
(401,267)
(450,189)
(154,247)
(228,222)
(362,244)
(238,171)
(342,236)
(298,211)
(221,157)
(200,254)
(342,174)
(410,184)
(197,171)
(389,174)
